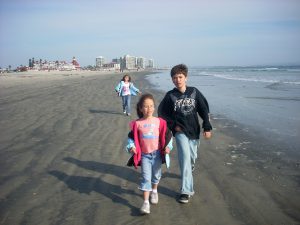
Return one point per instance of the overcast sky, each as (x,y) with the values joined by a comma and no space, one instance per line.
(195,32)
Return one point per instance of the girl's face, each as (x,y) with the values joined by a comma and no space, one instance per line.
(148,108)
(126,78)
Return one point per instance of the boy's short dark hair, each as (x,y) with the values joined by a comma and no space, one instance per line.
(180,68)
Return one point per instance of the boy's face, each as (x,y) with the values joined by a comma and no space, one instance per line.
(179,80)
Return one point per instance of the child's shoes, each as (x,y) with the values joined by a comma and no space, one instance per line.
(145,209)
(154,198)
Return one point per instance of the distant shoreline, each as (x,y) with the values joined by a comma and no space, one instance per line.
(37,77)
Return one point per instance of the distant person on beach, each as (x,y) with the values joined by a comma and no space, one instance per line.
(179,108)
(125,89)
(150,142)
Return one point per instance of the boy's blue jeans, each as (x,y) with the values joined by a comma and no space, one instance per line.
(126,103)
(151,170)
(187,155)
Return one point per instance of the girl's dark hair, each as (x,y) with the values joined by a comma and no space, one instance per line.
(140,103)
(181,68)
(126,75)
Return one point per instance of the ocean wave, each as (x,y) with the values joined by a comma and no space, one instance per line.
(252,79)
(257,78)
(267,69)
(292,82)
(276,98)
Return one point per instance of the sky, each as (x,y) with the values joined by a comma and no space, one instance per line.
(194,32)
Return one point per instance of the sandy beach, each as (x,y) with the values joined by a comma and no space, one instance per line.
(63,162)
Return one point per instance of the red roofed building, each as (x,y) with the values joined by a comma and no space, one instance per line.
(75,63)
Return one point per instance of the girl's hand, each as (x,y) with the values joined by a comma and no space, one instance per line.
(207,134)
(167,150)
(133,150)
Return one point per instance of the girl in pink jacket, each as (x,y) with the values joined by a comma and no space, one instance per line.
(149,141)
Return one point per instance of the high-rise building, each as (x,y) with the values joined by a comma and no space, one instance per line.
(122,64)
(116,60)
(150,63)
(141,63)
(100,61)
(130,62)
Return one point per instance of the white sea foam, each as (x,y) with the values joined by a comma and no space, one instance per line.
(255,77)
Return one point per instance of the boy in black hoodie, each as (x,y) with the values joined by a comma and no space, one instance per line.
(180,108)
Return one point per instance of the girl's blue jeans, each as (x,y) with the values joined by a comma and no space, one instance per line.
(126,103)
(187,155)
(151,170)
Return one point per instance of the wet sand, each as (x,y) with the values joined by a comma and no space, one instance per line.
(63,162)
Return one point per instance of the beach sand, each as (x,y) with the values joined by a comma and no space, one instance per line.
(63,161)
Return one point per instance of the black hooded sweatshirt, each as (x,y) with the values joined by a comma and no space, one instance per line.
(181,109)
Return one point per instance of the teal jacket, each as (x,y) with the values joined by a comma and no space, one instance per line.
(133,89)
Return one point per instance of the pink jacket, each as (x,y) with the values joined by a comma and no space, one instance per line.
(162,140)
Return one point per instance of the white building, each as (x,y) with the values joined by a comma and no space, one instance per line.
(141,63)
(129,62)
(53,65)
(111,66)
(150,63)
(100,61)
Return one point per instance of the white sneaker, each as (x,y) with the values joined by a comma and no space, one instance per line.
(154,198)
(145,209)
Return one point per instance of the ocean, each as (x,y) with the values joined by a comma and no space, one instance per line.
(265,100)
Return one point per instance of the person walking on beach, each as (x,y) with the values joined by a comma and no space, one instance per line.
(125,89)
(150,142)
(179,108)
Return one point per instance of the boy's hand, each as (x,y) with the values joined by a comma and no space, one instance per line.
(133,150)
(178,129)
(207,134)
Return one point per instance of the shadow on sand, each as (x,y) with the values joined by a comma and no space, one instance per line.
(86,185)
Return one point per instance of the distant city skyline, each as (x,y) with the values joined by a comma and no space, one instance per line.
(126,62)
(198,33)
